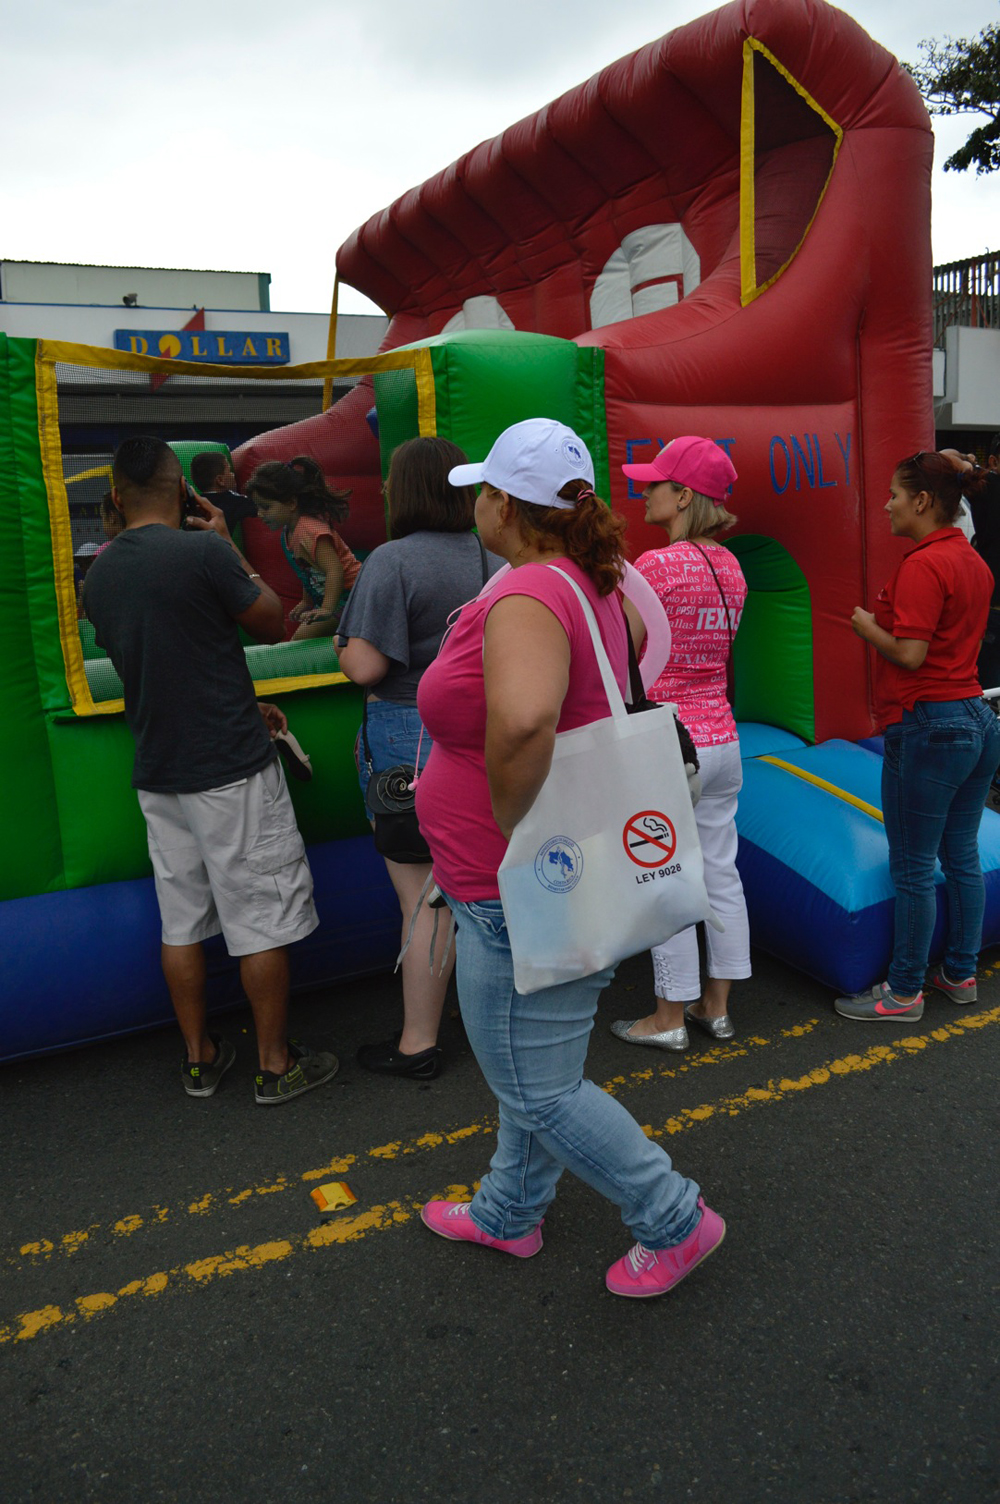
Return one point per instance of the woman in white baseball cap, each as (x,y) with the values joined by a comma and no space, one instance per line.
(519,666)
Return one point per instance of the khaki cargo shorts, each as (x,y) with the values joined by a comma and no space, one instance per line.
(231,861)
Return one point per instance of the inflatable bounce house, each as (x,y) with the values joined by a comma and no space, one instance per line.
(725,233)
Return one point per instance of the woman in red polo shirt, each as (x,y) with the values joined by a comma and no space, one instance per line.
(942,741)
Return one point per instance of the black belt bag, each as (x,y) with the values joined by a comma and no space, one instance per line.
(392,804)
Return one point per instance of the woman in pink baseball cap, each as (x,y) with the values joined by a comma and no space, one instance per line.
(702,590)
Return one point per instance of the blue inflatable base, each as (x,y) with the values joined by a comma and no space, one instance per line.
(84,965)
(815,864)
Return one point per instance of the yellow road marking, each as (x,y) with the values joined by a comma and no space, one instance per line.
(213,1201)
(715,1055)
(395,1213)
(202,1271)
(848,1065)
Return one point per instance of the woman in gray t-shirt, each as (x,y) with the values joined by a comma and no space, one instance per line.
(390,631)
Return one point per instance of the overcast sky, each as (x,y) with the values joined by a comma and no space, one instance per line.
(254,136)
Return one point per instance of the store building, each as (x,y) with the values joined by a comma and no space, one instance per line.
(967,352)
(149,309)
(221,318)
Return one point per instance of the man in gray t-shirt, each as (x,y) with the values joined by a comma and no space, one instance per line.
(166,602)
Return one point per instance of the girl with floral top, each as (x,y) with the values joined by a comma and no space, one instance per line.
(295,499)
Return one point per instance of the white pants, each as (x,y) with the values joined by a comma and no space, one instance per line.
(676,975)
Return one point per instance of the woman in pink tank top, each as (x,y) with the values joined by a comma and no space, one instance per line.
(702,589)
(517,668)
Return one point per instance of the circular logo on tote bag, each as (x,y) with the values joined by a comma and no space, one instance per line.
(559,865)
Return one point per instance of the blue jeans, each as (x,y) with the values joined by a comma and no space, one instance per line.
(532,1052)
(393,736)
(939,761)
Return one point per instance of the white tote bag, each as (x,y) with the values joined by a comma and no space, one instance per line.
(607,861)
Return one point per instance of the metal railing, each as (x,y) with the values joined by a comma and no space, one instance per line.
(967,293)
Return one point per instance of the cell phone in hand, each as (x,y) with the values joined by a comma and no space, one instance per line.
(192,506)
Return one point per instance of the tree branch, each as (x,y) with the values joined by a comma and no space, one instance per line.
(962,77)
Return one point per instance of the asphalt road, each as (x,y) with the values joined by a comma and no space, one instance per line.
(178,1322)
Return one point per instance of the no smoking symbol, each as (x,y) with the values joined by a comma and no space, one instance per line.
(649,838)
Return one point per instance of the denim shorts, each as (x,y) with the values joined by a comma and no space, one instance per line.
(393,734)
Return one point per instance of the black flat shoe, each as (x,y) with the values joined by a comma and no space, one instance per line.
(387,1060)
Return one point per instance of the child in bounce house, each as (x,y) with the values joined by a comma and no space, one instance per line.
(294,499)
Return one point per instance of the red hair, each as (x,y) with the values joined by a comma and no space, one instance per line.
(589,533)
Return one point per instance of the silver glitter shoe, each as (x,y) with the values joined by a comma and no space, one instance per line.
(718,1028)
(668,1039)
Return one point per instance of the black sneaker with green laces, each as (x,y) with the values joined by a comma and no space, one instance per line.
(201,1078)
(311,1068)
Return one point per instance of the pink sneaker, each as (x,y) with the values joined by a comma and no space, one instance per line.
(959,992)
(653,1271)
(451,1219)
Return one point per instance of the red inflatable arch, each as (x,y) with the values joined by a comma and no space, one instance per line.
(738,214)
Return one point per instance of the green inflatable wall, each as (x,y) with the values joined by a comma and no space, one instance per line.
(773,650)
(485,380)
(71,818)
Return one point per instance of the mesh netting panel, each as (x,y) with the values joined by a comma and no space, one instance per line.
(100,408)
(396,405)
(104,682)
(281,660)
(186,449)
(784,206)
(88,640)
(87,477)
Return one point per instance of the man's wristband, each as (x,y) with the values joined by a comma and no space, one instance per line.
(253,575)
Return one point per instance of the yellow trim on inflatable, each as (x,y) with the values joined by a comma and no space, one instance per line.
(50,449)
(423,370)
(102,707)
(305,681)
(331,341)
(50,353)
(749,290)
(830,788)
(98,357)
(260,686)
(99,470)
(748,208)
